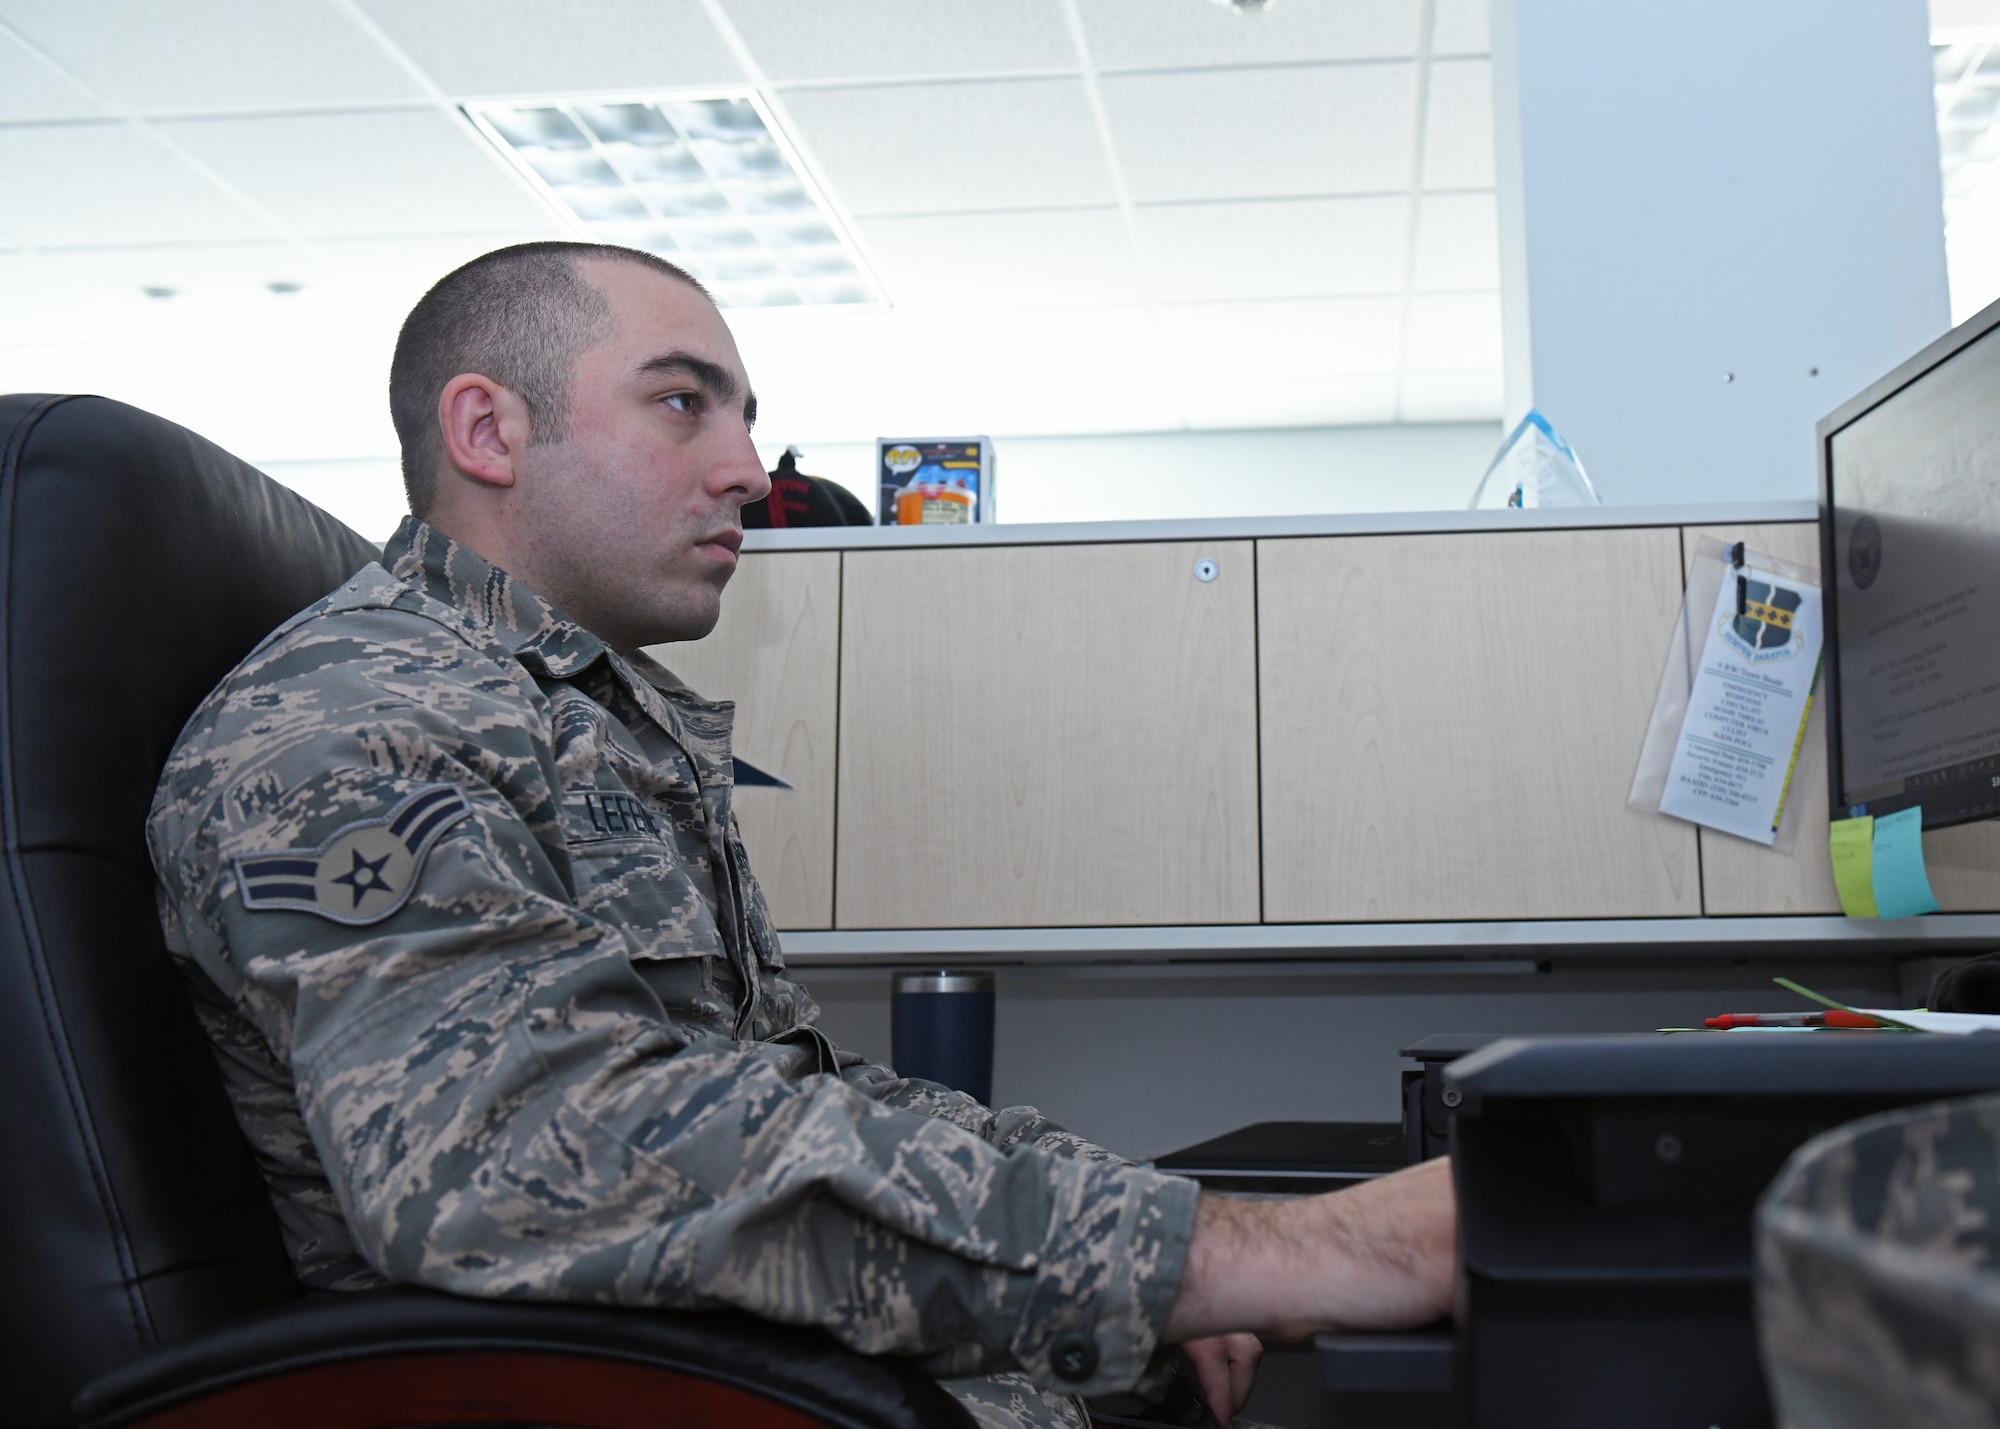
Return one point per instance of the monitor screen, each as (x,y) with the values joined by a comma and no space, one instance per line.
(1910,534)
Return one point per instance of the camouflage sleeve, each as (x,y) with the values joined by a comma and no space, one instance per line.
(504,1107)
(1006,1127)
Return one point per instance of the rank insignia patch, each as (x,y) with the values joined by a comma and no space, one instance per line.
(365,871)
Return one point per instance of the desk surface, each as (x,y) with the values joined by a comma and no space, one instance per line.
(1239,528)
(1469,947)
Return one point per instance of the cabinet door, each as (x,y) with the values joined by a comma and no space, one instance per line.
(1451,723)
(776,654)
(1742,877)
(1048,736)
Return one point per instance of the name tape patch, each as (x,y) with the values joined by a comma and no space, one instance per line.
(364,871)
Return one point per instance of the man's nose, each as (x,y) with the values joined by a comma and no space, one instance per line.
(741,469)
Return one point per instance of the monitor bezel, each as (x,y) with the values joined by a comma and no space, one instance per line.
(1905,374)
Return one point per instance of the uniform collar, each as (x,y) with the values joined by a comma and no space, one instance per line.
(550,644)
(491,601)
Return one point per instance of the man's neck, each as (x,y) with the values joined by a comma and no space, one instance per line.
(495,544)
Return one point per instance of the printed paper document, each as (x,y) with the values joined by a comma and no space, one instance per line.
(1747,706)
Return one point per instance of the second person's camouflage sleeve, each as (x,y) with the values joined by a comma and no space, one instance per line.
(505,1108)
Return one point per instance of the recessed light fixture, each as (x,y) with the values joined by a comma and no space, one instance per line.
(284,289)
(161,295)
(707,181)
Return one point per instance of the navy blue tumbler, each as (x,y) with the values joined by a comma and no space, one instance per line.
(941,1029)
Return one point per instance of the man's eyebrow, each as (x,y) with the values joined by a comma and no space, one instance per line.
(720,382)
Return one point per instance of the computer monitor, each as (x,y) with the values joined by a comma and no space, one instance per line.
(1910,565)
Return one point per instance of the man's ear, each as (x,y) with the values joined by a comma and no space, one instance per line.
(485,429)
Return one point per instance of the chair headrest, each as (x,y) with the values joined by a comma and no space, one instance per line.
(142,563)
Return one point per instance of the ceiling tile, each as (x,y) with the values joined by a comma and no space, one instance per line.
(475,48)
(1458,242)
(111,183)
(200,56)
(1454,333)
(927,148)
(206,280)
(1291,402)
(219,294)
(1461,27)
(346,175)
(31,88)
(1035,259)
(1320,337)
(1451,397)
(1276,248)
(810,39)
(1263,133)
(394,272)
(1150,34)
(1458,129)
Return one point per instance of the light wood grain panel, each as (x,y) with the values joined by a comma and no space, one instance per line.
(776,653)
(1052,735)
(1741,877)
(1450,725)
(1964,867)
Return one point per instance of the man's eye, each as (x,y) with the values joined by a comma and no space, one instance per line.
(689,402)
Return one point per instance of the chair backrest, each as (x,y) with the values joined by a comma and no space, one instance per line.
(138,564)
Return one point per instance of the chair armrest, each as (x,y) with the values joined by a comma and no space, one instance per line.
(402,1356)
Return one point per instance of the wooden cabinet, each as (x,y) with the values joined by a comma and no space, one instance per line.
(1335,728)
(1739,877)
(1450,725)
(776,654)
(1048,736)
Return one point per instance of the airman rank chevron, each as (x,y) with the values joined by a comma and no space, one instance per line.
(364,871)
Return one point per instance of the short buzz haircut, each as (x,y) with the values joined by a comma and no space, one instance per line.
(521,316)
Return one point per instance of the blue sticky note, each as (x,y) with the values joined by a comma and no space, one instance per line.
(1901,888)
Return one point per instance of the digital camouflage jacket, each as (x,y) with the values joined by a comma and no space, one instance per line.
(501,1009)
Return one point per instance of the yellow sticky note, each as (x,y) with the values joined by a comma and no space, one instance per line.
(1852,843)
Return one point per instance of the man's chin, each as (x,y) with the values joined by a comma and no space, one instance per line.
(691,617)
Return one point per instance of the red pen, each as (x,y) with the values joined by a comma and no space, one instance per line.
(1832,1017)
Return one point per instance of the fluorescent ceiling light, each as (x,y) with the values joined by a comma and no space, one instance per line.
(707,181)
(1968,104)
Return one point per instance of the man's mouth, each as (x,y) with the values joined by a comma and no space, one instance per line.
(730,540)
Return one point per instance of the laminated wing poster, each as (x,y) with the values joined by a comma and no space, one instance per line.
(1729,726)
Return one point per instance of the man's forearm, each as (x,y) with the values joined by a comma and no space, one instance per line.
(1379,1256)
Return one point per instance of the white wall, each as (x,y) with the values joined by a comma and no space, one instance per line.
(1158,475)
(1306,471)
(1706,189)
(364,492)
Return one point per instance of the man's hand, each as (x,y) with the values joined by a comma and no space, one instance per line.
(1381,1256)
(1225,1366)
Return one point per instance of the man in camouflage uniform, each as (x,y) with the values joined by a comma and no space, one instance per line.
(454,875)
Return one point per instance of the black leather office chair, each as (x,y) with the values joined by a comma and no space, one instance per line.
(141,1277)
